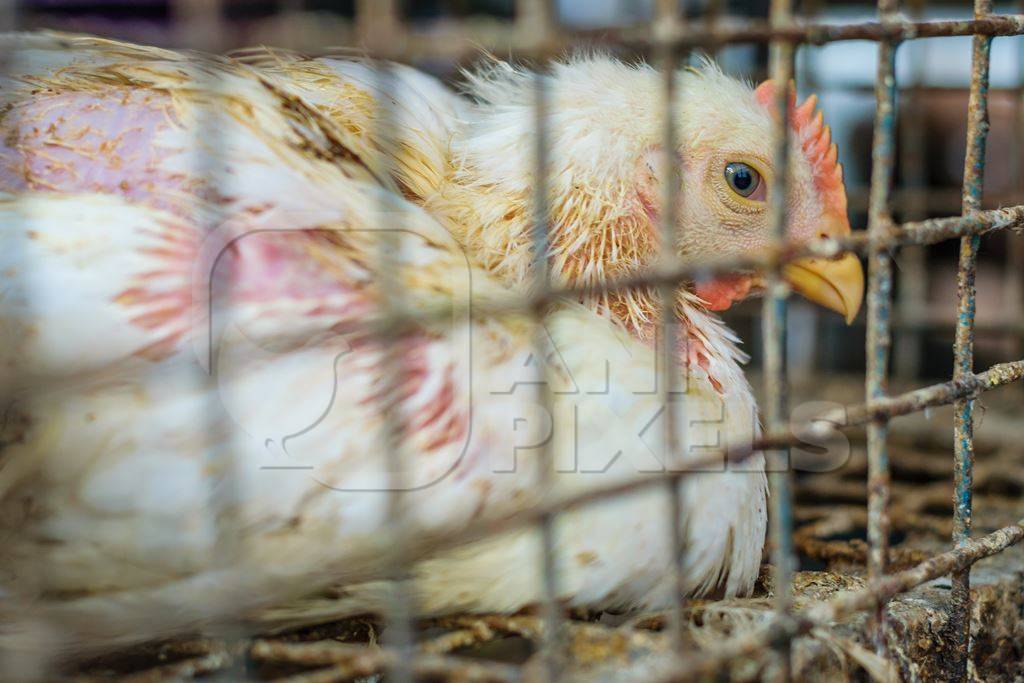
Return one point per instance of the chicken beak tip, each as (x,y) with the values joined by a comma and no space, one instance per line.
(837,285)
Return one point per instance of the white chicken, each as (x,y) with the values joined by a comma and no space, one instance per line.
(190,286)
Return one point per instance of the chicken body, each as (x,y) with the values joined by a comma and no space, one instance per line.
(196,430)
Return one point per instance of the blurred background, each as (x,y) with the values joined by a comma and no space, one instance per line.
(933,77)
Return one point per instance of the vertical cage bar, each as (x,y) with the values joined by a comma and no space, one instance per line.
(963,409)
(666,20)
(774,333)
(377,26)
(534,19)
(879,338)
(542,285)
(400,608)
(200,25)
(1014,281)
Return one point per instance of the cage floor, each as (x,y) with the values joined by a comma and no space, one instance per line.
(830,539)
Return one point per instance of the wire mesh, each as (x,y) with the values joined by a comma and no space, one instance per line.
(537,35)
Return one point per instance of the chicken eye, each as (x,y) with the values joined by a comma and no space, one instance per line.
(743,179)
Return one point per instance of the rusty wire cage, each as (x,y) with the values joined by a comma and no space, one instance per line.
(534,33)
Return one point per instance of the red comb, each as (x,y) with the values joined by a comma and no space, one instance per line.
(816,140)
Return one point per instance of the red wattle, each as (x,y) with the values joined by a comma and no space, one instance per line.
(723,291)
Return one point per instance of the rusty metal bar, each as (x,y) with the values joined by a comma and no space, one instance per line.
(879,336)
(698,34)
(457,44)
(698,667)
(943,393)
(963,410)
(665,20)
(774,334)
(934,230)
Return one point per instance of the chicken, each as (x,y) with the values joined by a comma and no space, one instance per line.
(606,133)
(194,427)
(472,166)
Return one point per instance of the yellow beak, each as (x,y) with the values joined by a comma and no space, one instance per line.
(835,284)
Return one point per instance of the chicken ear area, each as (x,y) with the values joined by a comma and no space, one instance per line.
(648,185)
